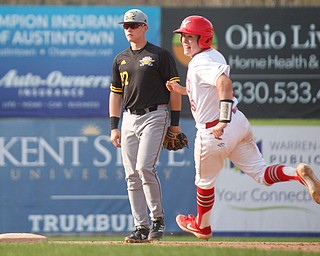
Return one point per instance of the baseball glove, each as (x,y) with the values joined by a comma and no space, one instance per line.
(175,141)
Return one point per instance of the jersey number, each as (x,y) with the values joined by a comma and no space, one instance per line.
(124,78)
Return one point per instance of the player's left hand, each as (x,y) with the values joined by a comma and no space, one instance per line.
(218,130)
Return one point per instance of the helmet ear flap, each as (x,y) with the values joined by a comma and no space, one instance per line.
(205,41)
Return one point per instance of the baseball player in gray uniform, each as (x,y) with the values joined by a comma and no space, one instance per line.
(139,77)
(223,131)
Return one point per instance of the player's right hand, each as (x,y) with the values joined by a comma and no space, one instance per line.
(218,130)
(115,138)
(170,85)
(173,86)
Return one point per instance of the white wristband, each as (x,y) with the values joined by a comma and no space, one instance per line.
(225,111)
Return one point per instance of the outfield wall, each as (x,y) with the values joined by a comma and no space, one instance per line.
(59,173)
(56,61)
(65,176)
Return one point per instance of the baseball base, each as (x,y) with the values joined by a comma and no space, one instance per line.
(22,238)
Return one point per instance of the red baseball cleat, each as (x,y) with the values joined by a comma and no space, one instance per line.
(308,178)
(188,224)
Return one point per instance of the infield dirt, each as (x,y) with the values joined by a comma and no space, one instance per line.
(289,246)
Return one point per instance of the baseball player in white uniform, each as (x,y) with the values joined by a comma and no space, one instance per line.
(223,131)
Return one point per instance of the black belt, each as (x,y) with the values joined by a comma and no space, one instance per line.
(141,112)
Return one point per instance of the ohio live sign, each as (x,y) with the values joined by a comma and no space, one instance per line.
(274,56)
(284,88)
(275,67)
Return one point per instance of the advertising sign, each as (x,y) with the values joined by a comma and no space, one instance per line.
(56,61)
(287,208)
(274,56)
(65,176)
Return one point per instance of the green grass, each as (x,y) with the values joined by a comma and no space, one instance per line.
(302,122)
(53,248)
(120,250)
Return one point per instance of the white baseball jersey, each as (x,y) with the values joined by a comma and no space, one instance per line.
(203,72)
(237,141)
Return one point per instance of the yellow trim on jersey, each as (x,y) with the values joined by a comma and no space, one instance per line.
(176,79)
(115,89)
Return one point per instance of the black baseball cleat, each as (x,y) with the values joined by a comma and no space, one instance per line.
(157,229)
(139,235)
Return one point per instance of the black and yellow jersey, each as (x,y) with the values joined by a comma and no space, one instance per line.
(141,76)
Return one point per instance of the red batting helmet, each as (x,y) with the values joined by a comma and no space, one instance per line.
(198,25)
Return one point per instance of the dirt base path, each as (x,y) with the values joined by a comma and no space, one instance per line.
(290,246)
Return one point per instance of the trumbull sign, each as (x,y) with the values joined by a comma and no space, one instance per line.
(275,65)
